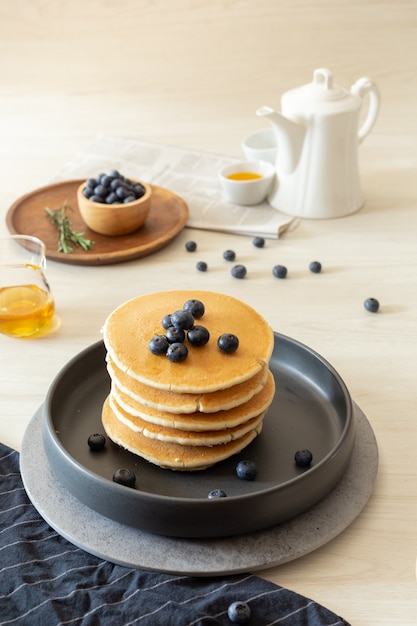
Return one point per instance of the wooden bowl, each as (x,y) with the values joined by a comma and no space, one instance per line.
(115,219)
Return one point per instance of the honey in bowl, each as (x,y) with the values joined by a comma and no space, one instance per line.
(247,182)
(244,176)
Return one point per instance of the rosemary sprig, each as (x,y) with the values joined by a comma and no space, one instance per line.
(67,237)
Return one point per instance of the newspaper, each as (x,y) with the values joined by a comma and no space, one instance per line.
(193,175)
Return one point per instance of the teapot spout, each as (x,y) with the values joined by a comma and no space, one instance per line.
(290,138)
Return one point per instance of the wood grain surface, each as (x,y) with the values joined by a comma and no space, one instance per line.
(192,73)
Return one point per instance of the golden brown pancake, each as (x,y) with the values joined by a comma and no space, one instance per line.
(171,455)
(174,402)
(129,328)
(224,419)
(183,437)
(192,414)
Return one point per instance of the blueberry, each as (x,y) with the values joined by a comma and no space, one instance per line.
(91,183)
(247,470)
(139,190)
(371,305)
(128,199)
(183,320)
(258,242)
(279,271)
(101,191)
(315,267)
(112,198)
(158,344)
(115,174)
(229,255)
(195,307)
(124,477)
(96,441)
(239,612)
(95,198)
(175,335)
(228,343)
(238,271)
(303,458)
(88,192)
(216,493)
(191,246)
(177,352)
(202,266)
(115,183)
(198,336)
(105,180)
(121,192)
(166,321)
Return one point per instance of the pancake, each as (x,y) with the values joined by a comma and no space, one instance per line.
(129,328)
(171,455)
(224,419)
(174,402)
(183,437)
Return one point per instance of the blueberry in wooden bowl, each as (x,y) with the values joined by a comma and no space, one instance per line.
(111,204)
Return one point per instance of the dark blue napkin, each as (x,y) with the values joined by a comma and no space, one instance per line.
(47,581)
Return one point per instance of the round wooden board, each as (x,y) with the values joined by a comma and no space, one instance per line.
(27,216)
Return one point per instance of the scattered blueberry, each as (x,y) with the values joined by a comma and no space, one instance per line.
(238,271)
(198,336)
(202,266)
(279,271)
(183,320)
(216,493)
(229,255)
(166,321)
(96,441)
(175,335)
(239,612)
(177,352)
(258,242)
(158,344)
(195,307)
(246,470)
(371,305)
(303,458)
(228,343)
(191,246)
(315,267)
(124,477)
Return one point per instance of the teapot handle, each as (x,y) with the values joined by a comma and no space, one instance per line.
(361,88)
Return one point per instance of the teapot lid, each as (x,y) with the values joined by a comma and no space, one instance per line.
(321,97)
(321,88)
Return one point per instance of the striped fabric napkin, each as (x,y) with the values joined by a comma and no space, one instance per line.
(47,581)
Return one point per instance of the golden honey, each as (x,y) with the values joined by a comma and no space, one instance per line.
(24,310)
(244,176)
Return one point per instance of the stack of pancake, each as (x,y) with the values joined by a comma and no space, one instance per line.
(188,415)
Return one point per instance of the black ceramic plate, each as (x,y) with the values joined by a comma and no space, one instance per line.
(312,409)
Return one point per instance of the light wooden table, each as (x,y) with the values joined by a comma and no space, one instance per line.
(193,74)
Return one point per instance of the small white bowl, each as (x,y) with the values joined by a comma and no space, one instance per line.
(261,146)
(250,191)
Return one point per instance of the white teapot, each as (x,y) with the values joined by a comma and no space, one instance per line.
(318,136)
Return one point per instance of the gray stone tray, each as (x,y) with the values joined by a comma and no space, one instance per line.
(312,409)
(130,547)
